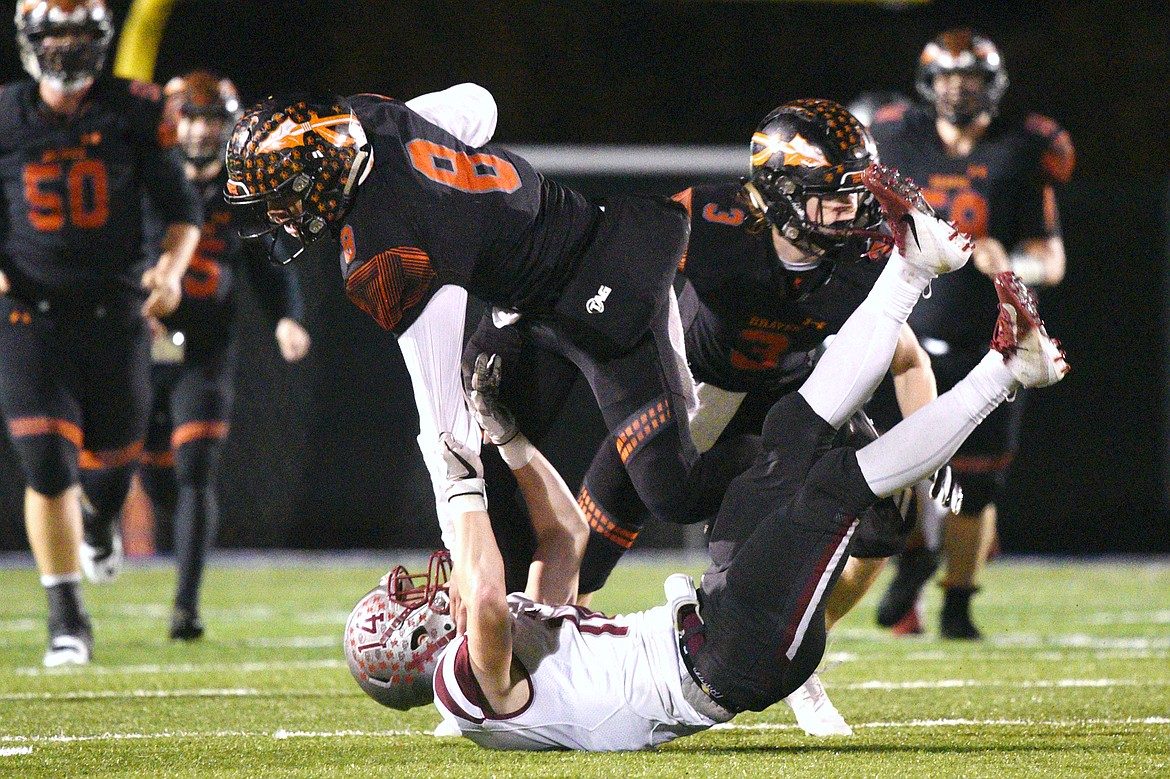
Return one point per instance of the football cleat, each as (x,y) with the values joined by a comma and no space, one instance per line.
(815,713)
(955,620)
(101,548)
(72,645)
(923,239)
(909,625)
(914,567)
(448,728)
(186,625)
(1034,358)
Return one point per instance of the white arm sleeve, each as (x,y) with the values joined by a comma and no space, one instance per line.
(467,111)
(433,348)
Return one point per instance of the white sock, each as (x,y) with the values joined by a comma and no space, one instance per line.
(923,442)
(53,579)
(853,365)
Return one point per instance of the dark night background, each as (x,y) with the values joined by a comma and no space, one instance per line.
(322,455)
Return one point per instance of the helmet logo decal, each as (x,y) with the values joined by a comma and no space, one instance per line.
(291,133)
(797,151)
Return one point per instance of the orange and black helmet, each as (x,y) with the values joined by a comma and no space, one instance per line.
(68,65)
(297,149)
(813,148)
(962,50)
(200,94)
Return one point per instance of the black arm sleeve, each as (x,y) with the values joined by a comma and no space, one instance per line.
(277,289)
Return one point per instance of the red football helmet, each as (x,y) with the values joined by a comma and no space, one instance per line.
(64,42)
(396,633)
(962,51)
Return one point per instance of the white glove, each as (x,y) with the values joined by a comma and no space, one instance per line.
(465,489)
(938,497)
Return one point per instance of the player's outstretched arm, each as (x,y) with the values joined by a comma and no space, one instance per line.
(561,531)
(914,381)
(478,571)
(164,281)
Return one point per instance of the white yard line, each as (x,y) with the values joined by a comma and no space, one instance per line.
(181,668)
(280,733)
(940,684)
(105,694)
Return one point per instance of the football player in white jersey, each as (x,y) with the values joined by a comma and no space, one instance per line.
(525,676)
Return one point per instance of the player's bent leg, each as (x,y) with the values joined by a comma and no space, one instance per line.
(105,482)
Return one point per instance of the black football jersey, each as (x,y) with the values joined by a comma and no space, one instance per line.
(751,312)
(433,211)
(1003,189)
(73,190)
(207,309)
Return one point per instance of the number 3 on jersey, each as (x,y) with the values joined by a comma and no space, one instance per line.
(86,190)
(474,173)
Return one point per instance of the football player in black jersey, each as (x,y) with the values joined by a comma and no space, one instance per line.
(78,151)
(427,211)
(995,177)
(774,265)
(196,346)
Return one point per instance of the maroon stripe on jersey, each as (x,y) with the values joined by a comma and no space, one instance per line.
(471,690)
(642,426)
(444,695)
(793,632)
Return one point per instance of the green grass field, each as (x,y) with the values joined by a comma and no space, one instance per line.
(1073,682)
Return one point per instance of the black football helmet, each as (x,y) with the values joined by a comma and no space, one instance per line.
(306,154)
(82,29)
(962,51)
(202,95)
(814,148)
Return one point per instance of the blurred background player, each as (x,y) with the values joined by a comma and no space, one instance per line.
(78,151)
(196,347)
(995,177)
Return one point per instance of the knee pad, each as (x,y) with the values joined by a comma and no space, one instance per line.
(106,488)
(49,462)
(197,461)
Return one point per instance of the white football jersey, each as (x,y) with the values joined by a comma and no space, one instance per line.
(598,683)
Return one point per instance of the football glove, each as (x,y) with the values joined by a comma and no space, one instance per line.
(493,416)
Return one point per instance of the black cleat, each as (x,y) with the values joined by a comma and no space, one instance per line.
(955,621)
(914,569)
(186,625)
